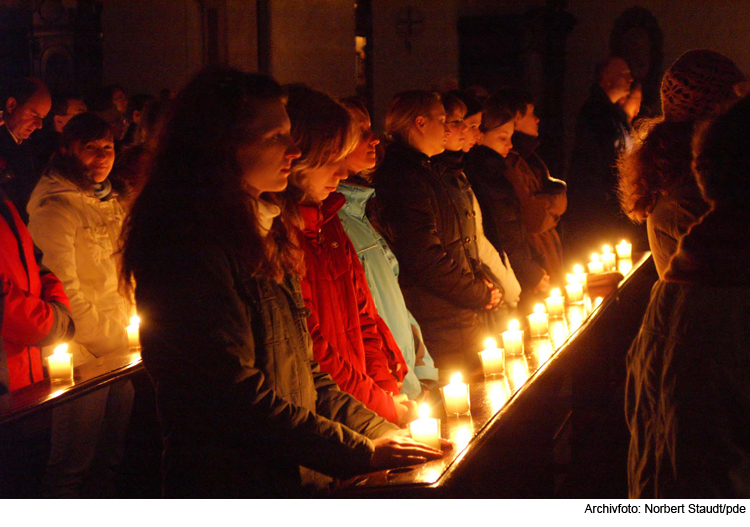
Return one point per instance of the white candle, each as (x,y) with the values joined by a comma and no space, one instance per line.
(555,306)
(426,429)
(513,339)
(134,340)
(595,265)
(624,249)
(538,321)
(492,358)
(456,396)
(60,365)
(608,258)
(577,276)
(574,292)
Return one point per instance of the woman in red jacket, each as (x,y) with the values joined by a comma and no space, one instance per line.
(350,341)
(36,311)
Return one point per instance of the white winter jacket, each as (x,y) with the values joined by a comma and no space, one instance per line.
(79,235)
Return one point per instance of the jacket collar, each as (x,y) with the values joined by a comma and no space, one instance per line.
(484,154)
(315,215)
(450,159)
(714,252)
(407,151)
(524,144)
(356,199)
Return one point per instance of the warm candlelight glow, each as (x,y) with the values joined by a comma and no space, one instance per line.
(558,333)
(595,265)
(538,321)
(462,436)
(555,306)
(60,364)
(426,429)
(498,393)
(625,266)
(624,249)
(578,269)
(608,258)
(513,339)
(456,396)
(490,344)
(517,371)
(492,358)
(575,293)
(594,257)
(134,339)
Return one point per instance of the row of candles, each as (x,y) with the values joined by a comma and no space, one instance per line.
(510,361)
(60,363)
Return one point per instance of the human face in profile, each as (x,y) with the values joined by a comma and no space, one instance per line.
(499,139)
(472,131)
(265,158)
(527,123)
(364,155)
(434,130)
(318,183)
(24,119)
(456,136)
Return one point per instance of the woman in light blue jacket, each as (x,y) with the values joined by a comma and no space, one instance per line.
(379,262)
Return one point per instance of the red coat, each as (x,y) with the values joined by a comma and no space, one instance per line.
(350,340)
(28,316)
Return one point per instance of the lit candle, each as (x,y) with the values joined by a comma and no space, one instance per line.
(492,358)
(555,306)
(456,396)
(624,250)
(595,265)
(60,365)
(426,429)
(608,258)
(134,340)
(538,321)
(574,292)
(513,339)
(624,265)
(577,276)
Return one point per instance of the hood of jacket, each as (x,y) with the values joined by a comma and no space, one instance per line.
(356,199)
(714,252)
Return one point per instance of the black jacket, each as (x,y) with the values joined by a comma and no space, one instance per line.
(501,213)
(241,401)
(430,227)
(19,171)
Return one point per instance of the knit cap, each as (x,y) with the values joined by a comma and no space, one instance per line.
(696,84)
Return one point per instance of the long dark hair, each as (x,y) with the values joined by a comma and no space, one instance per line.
(194,192)
(83,128)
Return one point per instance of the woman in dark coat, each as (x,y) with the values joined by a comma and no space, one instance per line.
(688,387)
(242,404)
(655,181)
(445,290)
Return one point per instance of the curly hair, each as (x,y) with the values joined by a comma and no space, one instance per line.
(658,163)
(195,191)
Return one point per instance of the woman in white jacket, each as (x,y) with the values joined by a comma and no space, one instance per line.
(75,219)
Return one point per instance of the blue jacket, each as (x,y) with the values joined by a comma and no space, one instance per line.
(381,269)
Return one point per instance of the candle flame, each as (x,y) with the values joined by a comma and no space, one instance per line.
(135,320)
(598,301)
(424,411)
(555,292)
(594,257)
(577,269)
(539,309)
(59,350)
(624,243)
(490,344)
(607,249)
(457,378)
(513,325)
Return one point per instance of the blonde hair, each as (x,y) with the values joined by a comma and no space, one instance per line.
(322,129)
(404,109)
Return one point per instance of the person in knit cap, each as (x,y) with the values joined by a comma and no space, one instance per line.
(688,384)
(656,183)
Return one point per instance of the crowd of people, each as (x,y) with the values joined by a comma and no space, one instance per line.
(303,283)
